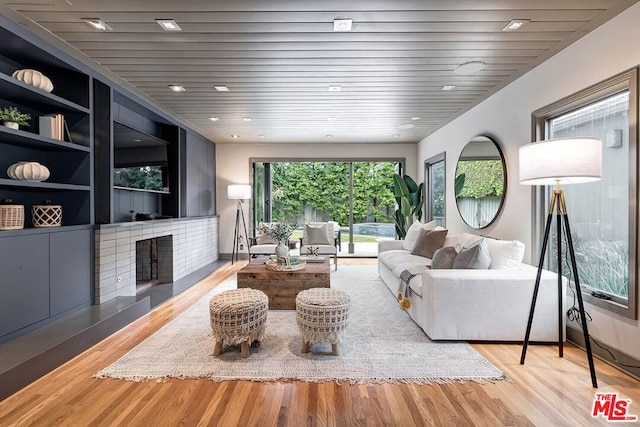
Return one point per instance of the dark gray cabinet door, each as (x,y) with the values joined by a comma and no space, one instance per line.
(71,259)
(24,281)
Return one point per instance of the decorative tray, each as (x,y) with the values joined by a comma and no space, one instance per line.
(285,264)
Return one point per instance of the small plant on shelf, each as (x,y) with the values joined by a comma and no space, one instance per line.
(13,115)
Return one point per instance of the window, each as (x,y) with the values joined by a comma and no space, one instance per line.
(602,214)
(434,178)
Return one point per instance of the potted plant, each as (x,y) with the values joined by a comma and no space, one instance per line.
(280,232)
(13,118)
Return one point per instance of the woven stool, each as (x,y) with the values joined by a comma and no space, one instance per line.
(322,315)
(238,316)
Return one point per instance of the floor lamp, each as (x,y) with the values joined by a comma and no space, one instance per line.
(558,162)
(239,192)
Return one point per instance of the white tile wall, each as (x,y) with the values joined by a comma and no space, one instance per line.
(195,244)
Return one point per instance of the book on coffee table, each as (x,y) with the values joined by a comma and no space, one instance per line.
(311,258)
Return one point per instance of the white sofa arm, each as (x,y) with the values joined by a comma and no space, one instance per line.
(388,245)
(470,304)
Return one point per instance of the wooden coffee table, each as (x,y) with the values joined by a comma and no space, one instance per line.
(283,287)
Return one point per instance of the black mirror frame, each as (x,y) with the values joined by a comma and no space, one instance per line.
(504,182)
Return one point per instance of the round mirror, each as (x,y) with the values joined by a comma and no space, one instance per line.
(480,182)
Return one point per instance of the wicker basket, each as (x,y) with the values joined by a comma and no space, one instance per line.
(46,215)
(11,216)
(275,265)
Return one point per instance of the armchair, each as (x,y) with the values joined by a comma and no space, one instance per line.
(262,244)
(320,238)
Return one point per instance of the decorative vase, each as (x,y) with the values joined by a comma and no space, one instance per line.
(33,78)
(12,125)
(28,171)
(282,250)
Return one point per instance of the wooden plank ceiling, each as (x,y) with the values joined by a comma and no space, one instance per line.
(279,57)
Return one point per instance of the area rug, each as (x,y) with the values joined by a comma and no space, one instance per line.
(381,345)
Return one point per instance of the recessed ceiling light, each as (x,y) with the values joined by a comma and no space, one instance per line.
(234,136)
(328,136)
(469,68)
(222,88)
(137,140)
(331,119)
(97,24)
(168,25)
(448,87)
(177,88)
(416,118)
(335,88)
(515,24)
(214,119)
(247,119)
(396,135)
(262,136)
(406,126)
(342,24)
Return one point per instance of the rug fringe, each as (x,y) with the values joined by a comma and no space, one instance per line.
(350,381)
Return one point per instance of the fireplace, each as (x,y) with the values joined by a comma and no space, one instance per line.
(154,262)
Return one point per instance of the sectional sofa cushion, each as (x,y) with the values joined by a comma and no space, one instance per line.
(476,257)
(443,258)
(505,254)
(413,232)
(428,242)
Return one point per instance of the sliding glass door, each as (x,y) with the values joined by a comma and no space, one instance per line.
(357,195)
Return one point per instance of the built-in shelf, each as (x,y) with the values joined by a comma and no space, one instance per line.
(28,139)
(42,185)
(15,90)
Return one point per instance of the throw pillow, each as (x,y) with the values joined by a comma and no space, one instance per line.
(317,234)
(428,242)
(476,257)
(413,232)
(263,238)
(505,254)
(443,258)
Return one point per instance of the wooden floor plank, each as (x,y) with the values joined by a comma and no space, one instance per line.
(546,390)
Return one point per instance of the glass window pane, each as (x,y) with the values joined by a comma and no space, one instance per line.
(599,211)
(436,182)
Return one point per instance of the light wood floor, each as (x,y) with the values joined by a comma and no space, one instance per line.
(546,391)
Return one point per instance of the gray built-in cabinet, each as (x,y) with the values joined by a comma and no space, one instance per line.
(45,272)
(49,273)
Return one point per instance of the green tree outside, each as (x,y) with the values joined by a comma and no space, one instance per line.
(323,188)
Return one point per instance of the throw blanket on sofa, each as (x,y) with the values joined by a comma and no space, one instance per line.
(403,289)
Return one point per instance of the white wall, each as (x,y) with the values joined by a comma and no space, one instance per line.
(506,116)
(233,167)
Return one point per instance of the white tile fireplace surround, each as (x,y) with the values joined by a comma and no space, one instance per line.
(195,244)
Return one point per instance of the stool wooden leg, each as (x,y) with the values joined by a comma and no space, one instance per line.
(217,351)
(305,347)
(335,350)
(244,349)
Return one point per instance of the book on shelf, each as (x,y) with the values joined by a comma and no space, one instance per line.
(54,126)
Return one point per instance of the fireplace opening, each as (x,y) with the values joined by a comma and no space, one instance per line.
(154,262)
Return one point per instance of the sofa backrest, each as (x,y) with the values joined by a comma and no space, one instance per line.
(505,254)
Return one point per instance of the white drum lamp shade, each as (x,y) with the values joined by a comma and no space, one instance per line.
(561,161)
(239,192)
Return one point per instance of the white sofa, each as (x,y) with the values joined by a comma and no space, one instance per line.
(473,305)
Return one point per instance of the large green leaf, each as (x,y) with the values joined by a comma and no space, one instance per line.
(399,186)
(411,184)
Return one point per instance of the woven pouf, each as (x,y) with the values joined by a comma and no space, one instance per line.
(238,316)
(322,315)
